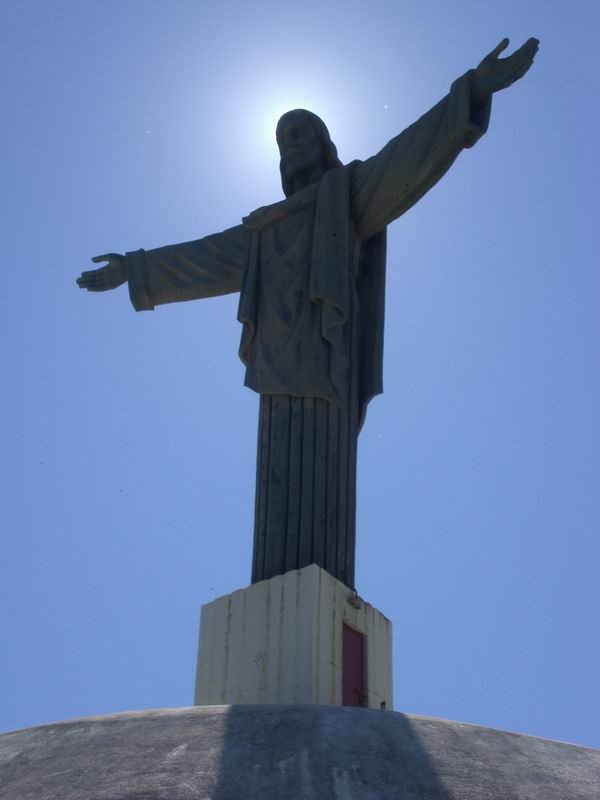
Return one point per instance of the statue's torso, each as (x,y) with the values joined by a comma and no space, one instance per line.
(289,352)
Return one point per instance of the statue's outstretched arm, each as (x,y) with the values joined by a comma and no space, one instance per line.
(386,185)
(206,267)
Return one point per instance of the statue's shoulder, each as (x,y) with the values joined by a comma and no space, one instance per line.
(266,216)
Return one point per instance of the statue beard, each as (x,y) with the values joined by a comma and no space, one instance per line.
(297,178)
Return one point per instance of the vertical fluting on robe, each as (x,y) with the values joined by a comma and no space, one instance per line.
(305,487)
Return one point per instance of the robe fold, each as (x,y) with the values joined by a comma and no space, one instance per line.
(311,275)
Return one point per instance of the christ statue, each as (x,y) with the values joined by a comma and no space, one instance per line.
(310,270)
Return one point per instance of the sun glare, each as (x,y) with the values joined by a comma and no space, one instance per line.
(262,106)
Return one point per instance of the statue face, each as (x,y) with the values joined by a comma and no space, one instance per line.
(299,144)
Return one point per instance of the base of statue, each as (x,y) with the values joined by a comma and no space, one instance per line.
(302,637)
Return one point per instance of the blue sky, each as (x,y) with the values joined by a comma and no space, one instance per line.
(128,450)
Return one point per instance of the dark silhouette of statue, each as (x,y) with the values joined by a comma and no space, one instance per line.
(310,271)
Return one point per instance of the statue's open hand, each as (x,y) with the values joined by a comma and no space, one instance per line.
(109,277)
(494,74)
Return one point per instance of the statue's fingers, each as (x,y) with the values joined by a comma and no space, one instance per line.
(519,69)
(520,61)
(499,48)
(106,257)
(518,66)
(91,287)
(530,44)
(96,286)
(87,283)
(528,50)
(90,279)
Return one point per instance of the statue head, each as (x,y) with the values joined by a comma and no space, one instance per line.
(306,149)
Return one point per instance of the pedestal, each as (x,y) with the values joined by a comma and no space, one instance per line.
(302,637)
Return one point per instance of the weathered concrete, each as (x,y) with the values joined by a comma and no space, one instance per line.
(280,641)
(288,752)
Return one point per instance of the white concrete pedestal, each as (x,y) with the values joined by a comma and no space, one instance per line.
(280,641)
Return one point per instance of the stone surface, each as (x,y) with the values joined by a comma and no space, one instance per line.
(288,752)
(311,274)
(280,641)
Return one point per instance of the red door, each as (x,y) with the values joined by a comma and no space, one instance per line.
(353,667)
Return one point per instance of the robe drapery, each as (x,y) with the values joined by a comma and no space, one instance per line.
(310,271)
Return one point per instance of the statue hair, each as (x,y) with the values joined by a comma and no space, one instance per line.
(329,154)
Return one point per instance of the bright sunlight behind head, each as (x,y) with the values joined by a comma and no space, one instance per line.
(245,133)
(279,94)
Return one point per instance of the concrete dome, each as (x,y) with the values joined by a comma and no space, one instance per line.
(268,752)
